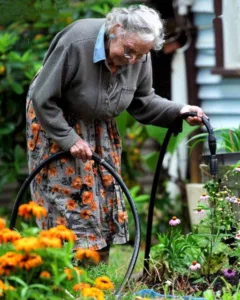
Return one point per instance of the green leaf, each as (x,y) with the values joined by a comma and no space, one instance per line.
(151,160)
(6,128)
(18,89)
(209,295)
(18,280)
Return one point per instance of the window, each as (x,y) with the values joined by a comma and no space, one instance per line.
(227,37)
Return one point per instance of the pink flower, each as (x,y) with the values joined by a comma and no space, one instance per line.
(204,197)
(229,273)
(174,221)
(195,266)
(200,212)
(232,199)
(237,236)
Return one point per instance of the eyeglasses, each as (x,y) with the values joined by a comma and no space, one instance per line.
(129,54)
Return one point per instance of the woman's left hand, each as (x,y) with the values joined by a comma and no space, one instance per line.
(193,120)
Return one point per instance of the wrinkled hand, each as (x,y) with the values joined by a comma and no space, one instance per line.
(81,150)
(193,120)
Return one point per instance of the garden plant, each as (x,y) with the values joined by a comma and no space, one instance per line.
(206,261)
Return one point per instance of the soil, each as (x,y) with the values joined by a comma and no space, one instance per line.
(183,285)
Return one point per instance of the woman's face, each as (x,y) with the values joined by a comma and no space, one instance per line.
(128,49)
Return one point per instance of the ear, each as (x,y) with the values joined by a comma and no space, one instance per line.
(115,29)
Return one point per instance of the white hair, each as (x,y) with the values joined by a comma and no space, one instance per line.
(138,19)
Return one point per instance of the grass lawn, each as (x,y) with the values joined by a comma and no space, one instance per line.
(120,256)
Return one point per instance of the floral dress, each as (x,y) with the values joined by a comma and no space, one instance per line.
(82,196)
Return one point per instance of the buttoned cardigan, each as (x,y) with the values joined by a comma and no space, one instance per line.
(71,83)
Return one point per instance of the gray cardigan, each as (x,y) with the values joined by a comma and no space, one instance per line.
(71,84)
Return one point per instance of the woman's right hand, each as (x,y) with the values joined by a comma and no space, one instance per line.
(81,150)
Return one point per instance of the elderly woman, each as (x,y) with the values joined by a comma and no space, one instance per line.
(93,70)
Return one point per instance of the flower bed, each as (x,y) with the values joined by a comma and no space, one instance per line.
(39,265)
(205,262)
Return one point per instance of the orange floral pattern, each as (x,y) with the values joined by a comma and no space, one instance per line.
(83,197)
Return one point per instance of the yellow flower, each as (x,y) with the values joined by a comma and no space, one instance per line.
(46,242)
(30,261)
(79,286)
(27,244)
(93,292)
(104,283)
(4,287)
(82,254)
(8,235)
(45,275)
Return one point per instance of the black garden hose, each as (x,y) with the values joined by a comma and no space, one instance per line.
(102,162)
(175,128)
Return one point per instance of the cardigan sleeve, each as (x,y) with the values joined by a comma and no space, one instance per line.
(47,96)
(149,108)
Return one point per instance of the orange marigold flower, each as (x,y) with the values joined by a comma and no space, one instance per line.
(32,209)
(87,197)
(107,180)
(104,283)
(85,214)
(10,259)
(7,235)
(45,275)
(82,254)
(2,223)
(8,262)
(79,286)
(71,204)
(61,232)
(46,242)
(93,292)
(27,244)
(30,261)
(69,171)
(68,272)
(77,183)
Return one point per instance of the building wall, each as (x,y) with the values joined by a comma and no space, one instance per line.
(218,96)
